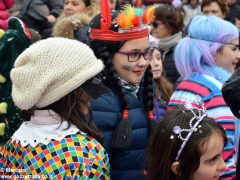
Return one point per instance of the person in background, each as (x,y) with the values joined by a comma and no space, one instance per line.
(12,43)
(124,117)
(39,14)
(234,12)
(74,21)
(217,8)
(188,145)
(191,9)
(163,89)
(167,27)
(75,26)
(5,5)
(231,95)
(205,59)
(80,6)
(53,80)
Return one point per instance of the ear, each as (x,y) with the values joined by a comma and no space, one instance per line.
(217,56)
(175,168)
(89,10)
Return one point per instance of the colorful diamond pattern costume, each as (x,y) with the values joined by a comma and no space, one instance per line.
(76,156)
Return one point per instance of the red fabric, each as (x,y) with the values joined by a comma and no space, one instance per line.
(4,15)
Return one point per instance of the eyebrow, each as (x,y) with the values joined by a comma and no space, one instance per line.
(138,49)
(214,157)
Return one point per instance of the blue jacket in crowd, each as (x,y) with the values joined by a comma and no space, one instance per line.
(107,112)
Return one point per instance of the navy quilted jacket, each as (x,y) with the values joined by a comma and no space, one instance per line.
(125,164)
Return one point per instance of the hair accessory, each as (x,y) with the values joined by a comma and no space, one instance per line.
(150,115)
(148,14)
(214,41)
(129,21)
(177,130)
(76,23)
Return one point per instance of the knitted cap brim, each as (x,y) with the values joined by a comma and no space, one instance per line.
(75,82)
(94,88)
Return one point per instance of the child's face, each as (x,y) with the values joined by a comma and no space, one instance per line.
(156,64)
(211,161)
(131,68)
(228,56)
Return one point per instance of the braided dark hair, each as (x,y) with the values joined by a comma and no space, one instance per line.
(105,50)
(148,100)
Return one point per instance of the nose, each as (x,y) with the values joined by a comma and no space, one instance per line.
(222,165)
(142,61)
(68,6)
(238,54)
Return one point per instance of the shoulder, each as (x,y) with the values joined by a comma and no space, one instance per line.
(106,102)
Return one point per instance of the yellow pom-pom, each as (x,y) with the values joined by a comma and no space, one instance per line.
(1,33)
(2,79)
(3,108)
(2,128)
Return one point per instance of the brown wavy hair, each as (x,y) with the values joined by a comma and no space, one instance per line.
(163,150)
(170,16)
(222,4)
(69,109)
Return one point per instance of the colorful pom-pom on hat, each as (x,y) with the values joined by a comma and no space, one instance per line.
(129,21)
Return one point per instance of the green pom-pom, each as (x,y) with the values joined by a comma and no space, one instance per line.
(1,33)
(2,79)
(2,128)
(3,108)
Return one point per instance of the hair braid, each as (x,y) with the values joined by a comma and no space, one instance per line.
(148,100)
(122,134)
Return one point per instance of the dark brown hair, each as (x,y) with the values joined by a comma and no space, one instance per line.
(165,87)
(170,16)
(222,4)
(69,109)
(163,150)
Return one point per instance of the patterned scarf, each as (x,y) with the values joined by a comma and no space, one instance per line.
(132,88)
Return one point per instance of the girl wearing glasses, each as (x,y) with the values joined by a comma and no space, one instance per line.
(205,59)
(125,117)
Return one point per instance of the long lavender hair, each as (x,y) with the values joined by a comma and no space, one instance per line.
(205,37)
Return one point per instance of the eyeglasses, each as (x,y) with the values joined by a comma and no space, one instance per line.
(134,56)
(155,24)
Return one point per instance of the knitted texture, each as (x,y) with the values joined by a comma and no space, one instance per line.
(50,69)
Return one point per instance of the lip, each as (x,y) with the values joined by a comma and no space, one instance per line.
(216,177)
(68,13)
(139,73)
(156,71)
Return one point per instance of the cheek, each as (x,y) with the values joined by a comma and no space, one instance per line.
(80,8)
(204,172)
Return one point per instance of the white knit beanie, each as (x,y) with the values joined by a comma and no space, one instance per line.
(50,69)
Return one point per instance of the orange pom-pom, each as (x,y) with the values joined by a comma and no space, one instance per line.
(137,21)
(125,114)
(150,115)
